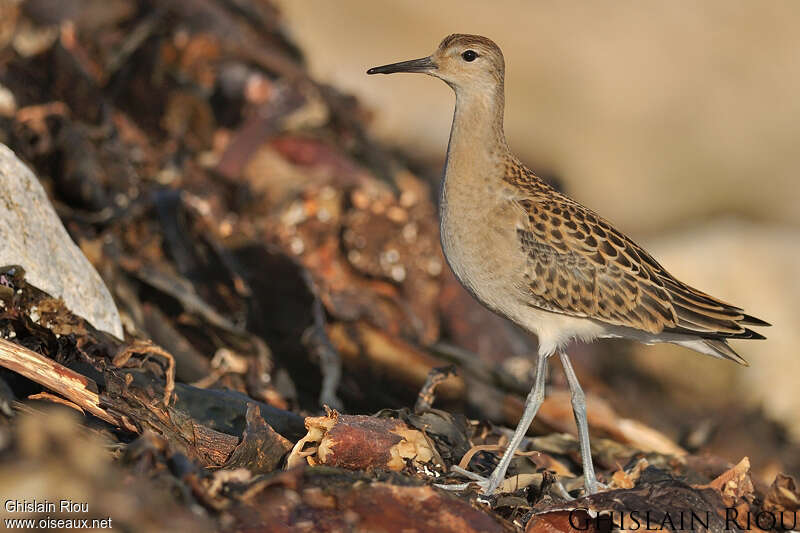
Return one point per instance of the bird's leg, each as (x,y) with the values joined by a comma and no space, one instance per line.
(579,410)
(532,404)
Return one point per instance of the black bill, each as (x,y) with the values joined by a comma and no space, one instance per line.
(415,65)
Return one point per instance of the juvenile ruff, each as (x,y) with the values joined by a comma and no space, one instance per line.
(541,259)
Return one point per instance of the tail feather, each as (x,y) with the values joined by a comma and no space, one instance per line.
(718,348)
(723,350)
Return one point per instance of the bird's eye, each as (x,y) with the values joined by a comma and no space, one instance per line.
(469,55)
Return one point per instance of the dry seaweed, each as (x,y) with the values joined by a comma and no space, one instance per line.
(270,262)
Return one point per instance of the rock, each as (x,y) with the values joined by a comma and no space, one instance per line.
(32,235)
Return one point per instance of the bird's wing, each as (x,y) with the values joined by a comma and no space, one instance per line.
(579,265)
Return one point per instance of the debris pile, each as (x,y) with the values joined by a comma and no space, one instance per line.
(285,303)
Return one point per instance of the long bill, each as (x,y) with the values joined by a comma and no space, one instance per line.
(424,64)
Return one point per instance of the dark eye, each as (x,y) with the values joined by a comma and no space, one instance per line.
(469,55)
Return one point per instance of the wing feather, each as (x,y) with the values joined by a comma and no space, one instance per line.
(579,264)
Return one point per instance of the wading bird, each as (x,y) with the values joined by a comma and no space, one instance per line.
(541,259)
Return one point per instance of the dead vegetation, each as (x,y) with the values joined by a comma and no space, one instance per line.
(268,259)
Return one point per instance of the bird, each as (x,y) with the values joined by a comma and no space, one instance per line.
(539,258)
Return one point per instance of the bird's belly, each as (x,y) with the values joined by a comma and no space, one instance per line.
(557,330)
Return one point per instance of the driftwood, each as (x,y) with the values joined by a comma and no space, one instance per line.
(208,445)
(76,388)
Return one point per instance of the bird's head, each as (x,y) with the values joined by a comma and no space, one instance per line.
(465,62)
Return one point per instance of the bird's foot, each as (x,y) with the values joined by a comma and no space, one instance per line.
(491,485)
(488,485)
(597,487)
(592,486)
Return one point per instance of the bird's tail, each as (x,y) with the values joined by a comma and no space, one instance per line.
(718,348)
(722,349)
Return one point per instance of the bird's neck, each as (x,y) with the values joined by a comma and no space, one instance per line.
(477,142)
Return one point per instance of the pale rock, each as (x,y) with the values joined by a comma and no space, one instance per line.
(32,235)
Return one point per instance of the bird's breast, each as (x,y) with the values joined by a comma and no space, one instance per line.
(479,239)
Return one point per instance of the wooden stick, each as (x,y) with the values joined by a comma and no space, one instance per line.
(73,386)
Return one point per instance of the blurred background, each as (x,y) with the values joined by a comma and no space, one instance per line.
(676,121)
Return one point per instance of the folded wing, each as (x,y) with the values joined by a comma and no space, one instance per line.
(579,265)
